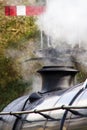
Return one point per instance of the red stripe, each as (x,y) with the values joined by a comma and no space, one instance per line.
(6,10)
(34,10)
(30,10)
(10,10)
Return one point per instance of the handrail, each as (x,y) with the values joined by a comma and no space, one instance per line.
(63,107)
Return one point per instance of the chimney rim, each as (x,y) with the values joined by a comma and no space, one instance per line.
(58,68)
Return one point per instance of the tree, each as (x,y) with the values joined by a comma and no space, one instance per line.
(16,33)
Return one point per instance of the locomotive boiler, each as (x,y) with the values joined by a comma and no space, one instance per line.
(59,105)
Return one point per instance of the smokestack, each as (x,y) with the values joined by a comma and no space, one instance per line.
(57,77)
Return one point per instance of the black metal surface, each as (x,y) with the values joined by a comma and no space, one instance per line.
(8,120)
(56,77)
(65,114)
(57,92)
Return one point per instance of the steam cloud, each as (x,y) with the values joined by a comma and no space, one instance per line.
(65,21)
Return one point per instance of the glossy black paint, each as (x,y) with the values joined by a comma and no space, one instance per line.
(57,89)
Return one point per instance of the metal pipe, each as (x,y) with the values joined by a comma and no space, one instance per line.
(44,110)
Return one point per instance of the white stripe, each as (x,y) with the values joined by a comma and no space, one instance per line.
(21,10)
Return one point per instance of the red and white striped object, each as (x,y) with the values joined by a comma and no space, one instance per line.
(24,10)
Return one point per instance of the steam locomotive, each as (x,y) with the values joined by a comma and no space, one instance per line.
(60,105)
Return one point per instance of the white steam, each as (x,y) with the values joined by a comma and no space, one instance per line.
(65,21)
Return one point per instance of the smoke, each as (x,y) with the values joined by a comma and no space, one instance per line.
(65,21)
(37,83)
(18,56)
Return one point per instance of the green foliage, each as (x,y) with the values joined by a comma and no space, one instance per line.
(7,72)
(13,29)
(13,32)
(81,76)
(13,90)
(11,83)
